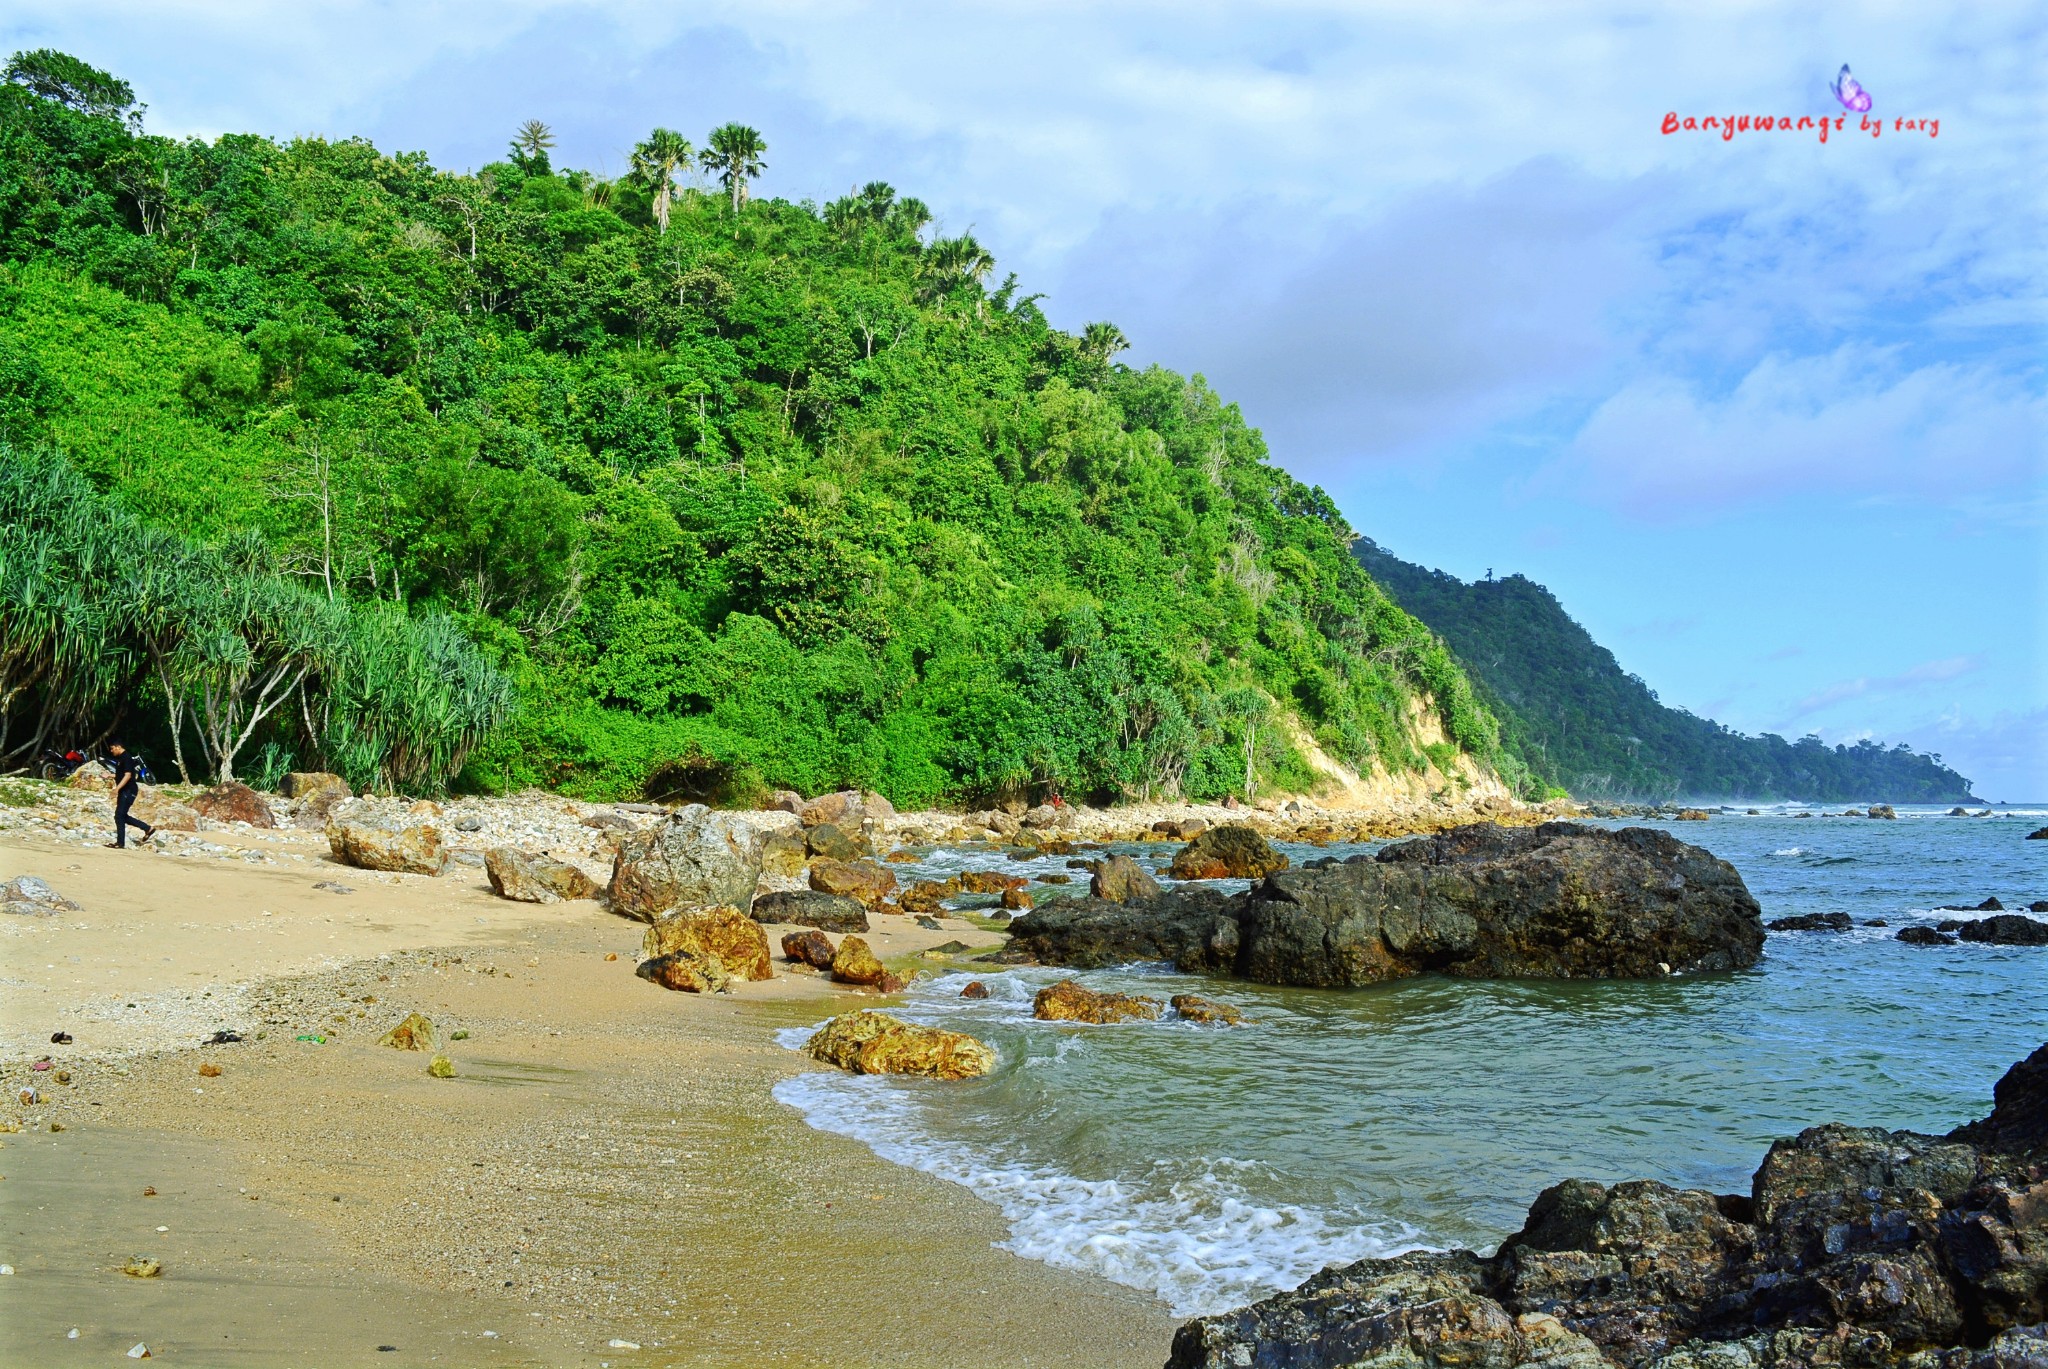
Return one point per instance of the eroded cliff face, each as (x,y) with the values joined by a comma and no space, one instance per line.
(1854,1247)
(1466,780)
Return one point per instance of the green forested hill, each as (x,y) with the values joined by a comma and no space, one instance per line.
(1578,720)
(685,488)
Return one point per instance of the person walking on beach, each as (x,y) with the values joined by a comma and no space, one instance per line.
(126,785)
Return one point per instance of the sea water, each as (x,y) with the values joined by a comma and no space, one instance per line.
(1213,1166)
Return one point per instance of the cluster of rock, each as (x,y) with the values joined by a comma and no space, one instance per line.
(1999,929)
(1070,1001)
(1556,901)
(868,1042)
(1854,1247)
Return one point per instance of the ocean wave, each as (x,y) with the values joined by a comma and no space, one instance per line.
(1187,1232)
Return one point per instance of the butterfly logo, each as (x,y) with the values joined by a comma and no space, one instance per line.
(1854,97)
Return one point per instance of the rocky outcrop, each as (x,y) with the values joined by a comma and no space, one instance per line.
(809,908)
(1230,852)
(694,858)
(1068,1001)
(1854,1247)
(869,1042)
(1120,879)
(724,935)
(232,802)
(1556,901)
(2005,929)
(405,850)
(528,878)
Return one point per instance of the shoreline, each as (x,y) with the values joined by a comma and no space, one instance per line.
(608,1163)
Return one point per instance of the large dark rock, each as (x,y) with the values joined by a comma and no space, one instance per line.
(1854,1247)
(1229,852)
(2005,929)
(1556,901)
(1810,922)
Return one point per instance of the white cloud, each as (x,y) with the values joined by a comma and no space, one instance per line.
(1917,677)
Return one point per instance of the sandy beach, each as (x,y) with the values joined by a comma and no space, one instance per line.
(607,1165)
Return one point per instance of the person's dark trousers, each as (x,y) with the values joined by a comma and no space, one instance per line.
(122,822)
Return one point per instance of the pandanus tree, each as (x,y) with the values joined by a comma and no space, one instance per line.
(655,164)
(734,156)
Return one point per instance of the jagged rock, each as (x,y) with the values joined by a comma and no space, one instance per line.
(927,896)
(1810,922)
(854,963)
(314,794)
(2038,834)
(2006,929)
(1923,936)
(232,802)
(782,855)
(410,850)
(812,948)
(1120,879)
(25,895)
(1207,1011)
(415,1033)
(835,843)
(1229,852)
(724,935)
(685,972)
(974,988)
(868,1042)
(874,806)
(1855,1248)
(1068,1001)
(694,858)
(842,809)
(1195,929)
(1989,905)
(786,801)
(1883,810)
(1181,829)
(1016,900)
(809,908)
(528,878)
(863,881)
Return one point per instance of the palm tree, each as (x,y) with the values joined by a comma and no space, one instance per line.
(909,216)
(1103,340)
(735,154)
(534,139)
(656,162)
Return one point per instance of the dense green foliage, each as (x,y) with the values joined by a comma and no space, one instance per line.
(1578,720)
(96,608)
(737,491)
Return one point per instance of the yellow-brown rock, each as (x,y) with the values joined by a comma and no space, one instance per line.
(861,880)
(416,1033)
(782,854)
(1208,1012)
(724,934)
(685,972)
(412,851)
(1068,1001)
(875,1043)
(854,963)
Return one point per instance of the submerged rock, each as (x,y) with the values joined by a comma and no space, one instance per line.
(1069,1001)
(868,1042)
(693,858)
(1810,922)
(1854,1247)
(1207,1011)
(1482,902)
(1230,852)
(525,877)
(725,935)
(809,908)
(1923,936)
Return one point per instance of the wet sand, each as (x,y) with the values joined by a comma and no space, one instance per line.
(607,1164)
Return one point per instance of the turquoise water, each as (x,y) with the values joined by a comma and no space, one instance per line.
(1212,1166)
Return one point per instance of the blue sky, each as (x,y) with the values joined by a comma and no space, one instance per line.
(1768,415)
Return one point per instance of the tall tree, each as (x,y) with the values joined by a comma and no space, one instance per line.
(530,147)
(656,162)
(735,155)
(61,77)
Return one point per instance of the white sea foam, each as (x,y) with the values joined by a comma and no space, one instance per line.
(1194,1239)
(1791,851)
